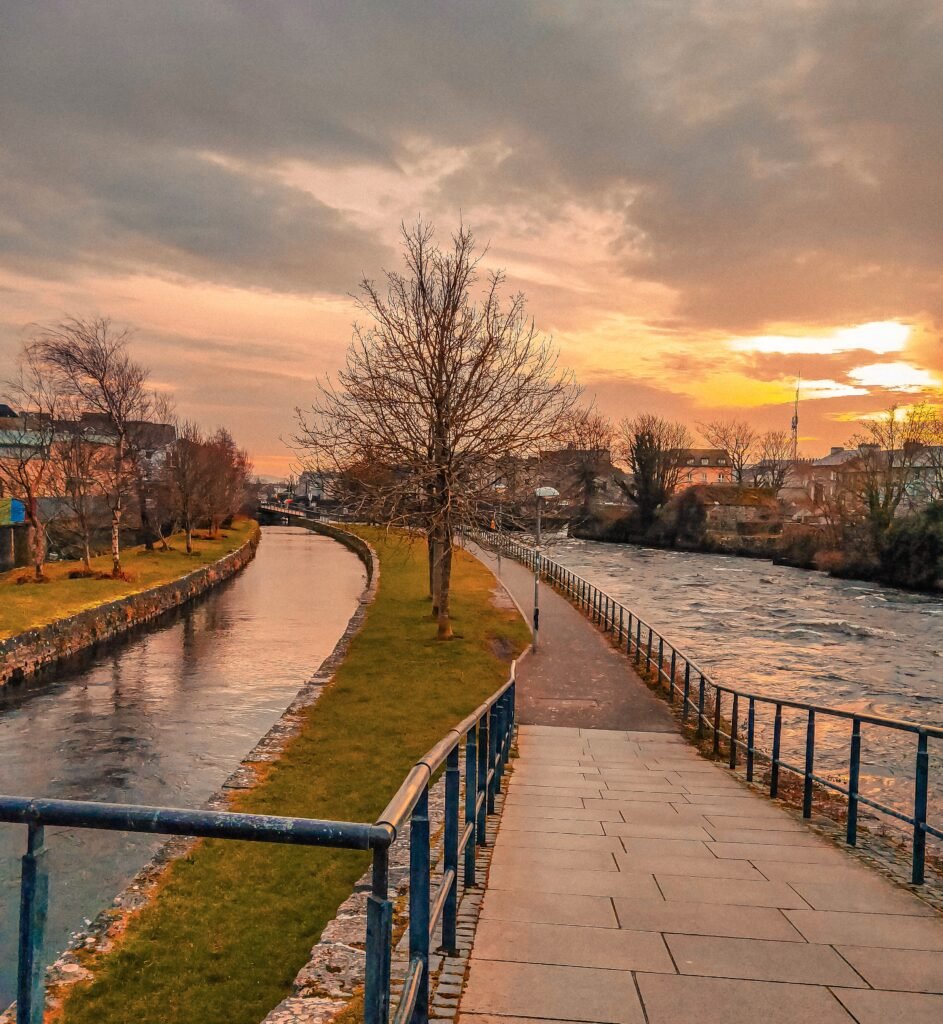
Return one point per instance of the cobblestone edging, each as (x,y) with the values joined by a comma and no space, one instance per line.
(102,934)
(38,650)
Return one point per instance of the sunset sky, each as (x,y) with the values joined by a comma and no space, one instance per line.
(700,198)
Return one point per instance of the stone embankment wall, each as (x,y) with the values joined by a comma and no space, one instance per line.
(37,650)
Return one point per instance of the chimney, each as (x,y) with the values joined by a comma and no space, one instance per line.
(836,450)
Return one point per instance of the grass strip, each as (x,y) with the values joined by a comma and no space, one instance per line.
(25,606)
(234,922)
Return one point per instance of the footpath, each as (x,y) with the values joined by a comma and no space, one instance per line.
(632,880)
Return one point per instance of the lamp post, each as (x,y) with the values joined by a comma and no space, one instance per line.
(541,493)
(499,489)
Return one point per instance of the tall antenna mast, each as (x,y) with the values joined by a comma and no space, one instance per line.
(795,423)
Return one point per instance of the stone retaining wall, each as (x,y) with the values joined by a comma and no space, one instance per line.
(38,650)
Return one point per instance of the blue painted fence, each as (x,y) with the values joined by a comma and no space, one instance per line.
(484,737)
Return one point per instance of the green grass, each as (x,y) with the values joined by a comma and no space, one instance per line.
(30,605)
(235,921)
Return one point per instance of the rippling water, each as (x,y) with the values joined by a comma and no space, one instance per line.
(787,632)
(164,718)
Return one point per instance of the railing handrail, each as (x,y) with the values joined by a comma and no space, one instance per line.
(204,824)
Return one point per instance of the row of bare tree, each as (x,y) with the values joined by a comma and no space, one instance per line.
(92,434)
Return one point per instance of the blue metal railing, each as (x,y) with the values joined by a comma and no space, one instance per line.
(486,735)
(687,681)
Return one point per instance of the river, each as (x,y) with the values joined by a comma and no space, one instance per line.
(792,633)
(164,718)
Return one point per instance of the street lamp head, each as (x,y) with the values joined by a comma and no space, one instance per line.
(547,492)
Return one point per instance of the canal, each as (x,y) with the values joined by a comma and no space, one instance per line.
(787,632)
(164,718)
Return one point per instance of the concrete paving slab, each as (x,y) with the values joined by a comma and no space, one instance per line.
(761,960)
(515,799)
(767,837)
(817,854)
(675,999)
(636,829)
(642,796)
(696,867)
(575,882)
(703,919)
(753,824)
(785,871)
(736,892)
(560,841)
(560,993)
(548,908)
(561,860)
(862,895)
(909,970)
(512,822)
(654,814)
(571,946)
(524,789)
(598,813)
(666,848)
(892,1007)
(896,932)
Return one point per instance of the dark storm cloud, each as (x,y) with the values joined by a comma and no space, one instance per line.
(770,160)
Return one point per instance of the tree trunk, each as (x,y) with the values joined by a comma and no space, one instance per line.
(115,544)
(189,532)
(435,575)
(38,544)
(445,581)
(145,517)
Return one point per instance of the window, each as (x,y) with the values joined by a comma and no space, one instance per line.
(690,462)
(705,462)
(721,477)
(721,462)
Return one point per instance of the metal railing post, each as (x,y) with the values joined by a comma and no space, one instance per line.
(716,746)
(471,795)
(484,744)
(648,651)
(661,660)
(492,757)
(376,996)
(685,704)
(34,903)
(671,676)
(751,735)
(809,766)
(628,637)
(854,775)
(419,901)
(774,763)
(700,706)
(733,730)
(920,809)
(450,851)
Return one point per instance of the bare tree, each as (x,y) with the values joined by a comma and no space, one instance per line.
(78,456)
(26,465)
(654,448)
(226,471)
(775,451)
(185,472)
(438,386)
(890,450)
(92,364)
(736,439)
(588,442)
(147,436)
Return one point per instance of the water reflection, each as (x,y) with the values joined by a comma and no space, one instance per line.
(786,632)
(165,717)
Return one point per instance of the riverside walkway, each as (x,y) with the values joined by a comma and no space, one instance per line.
(632,880)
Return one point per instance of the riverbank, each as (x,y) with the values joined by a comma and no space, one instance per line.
(232,923)
(43,624)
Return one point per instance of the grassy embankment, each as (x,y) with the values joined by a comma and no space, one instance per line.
(235,921)
(29,605)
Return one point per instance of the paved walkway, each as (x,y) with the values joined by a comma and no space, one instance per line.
(575,678)
(634,881)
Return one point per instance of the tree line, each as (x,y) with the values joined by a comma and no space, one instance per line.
(93,435)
